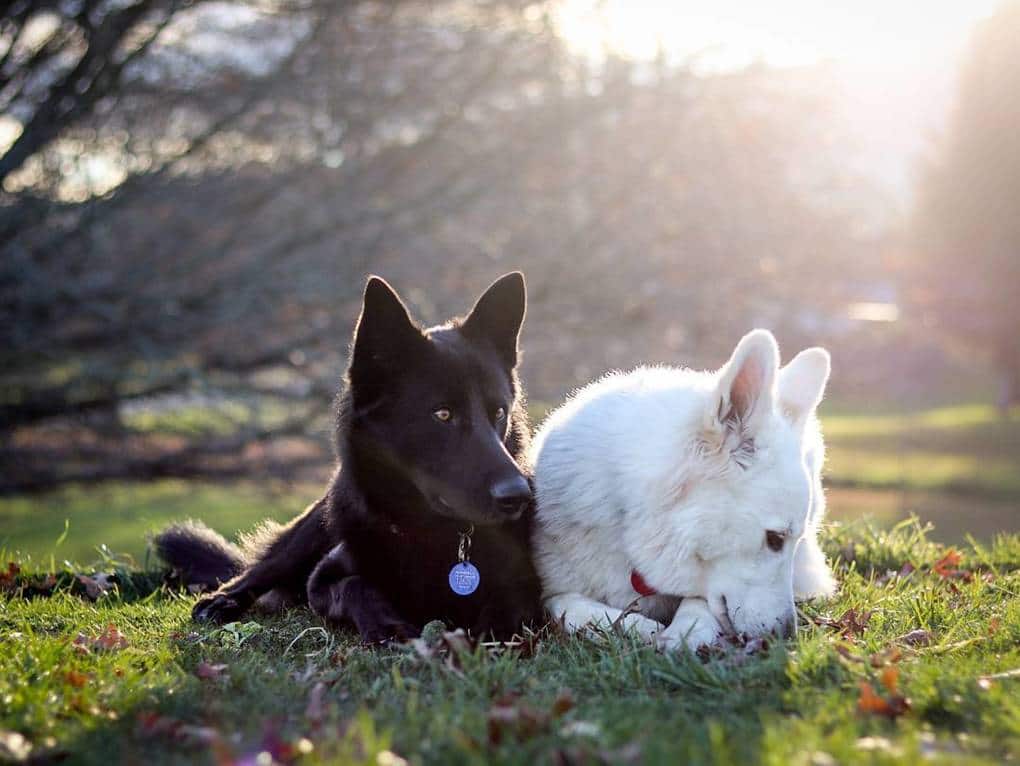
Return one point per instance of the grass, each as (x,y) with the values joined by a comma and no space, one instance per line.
(293,690)
(289,687)
(968,449)
(120,515)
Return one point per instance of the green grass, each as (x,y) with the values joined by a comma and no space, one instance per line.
(313,695)
(120,515)
(966,449)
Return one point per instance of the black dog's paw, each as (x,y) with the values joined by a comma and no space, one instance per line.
(503,624)
(217,608)
(388,631)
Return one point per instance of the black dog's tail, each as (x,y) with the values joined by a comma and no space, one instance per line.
(199,555)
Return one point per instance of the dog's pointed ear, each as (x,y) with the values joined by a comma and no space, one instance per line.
(385,327)
(497,316)
(745,394)
(802,383)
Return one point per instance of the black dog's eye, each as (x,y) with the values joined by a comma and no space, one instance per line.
(500,413)
(443,415)
(775,540)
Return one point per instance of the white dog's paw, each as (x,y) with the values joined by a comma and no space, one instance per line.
(645,627)
(693,626)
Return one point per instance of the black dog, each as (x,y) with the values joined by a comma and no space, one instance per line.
(429,514)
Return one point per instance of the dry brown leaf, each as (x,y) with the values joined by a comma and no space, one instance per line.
(108,640)
(917,637)
(96,587)
(844,651)
(890,679)
(10,576)
(850,625)
(947,567)
(563,703)
(871,703)
(76,679)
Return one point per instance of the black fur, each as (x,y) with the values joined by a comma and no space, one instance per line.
(376,550)
(200,556)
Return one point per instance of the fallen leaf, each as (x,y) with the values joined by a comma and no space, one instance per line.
(76,679)
(869,702)
(947,567)
(563,703)
(205,670)
(108,640)
(9,577)
(845,652)
(96,587)
(851,624)
(950,561)
(993,625)
(917,637)
(890,679)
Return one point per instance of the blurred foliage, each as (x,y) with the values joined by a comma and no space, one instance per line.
(967,223)
(195,191)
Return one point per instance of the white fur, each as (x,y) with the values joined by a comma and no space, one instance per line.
(679,474)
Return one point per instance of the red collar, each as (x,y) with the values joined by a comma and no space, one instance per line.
(638,583)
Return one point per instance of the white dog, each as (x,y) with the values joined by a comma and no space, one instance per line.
(704,486)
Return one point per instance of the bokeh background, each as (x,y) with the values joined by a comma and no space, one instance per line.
(194,192)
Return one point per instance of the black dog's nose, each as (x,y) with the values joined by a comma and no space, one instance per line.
(511,495)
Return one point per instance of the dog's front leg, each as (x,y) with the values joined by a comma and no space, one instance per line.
(579,612)
(339,596)
(283,565)
(693,625)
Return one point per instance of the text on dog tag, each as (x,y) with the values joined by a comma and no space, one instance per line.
(464,578)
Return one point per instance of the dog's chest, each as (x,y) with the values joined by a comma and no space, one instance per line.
(412,567)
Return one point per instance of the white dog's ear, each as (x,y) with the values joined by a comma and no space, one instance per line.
(802,383)
(745,394)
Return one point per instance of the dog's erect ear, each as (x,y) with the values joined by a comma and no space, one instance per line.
(745,394)
(498,315)
(384,327)
(802,383)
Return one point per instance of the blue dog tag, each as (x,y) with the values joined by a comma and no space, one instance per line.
(464,578)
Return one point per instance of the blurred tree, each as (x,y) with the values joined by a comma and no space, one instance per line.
(193,194)
(183,255)
(967,221)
